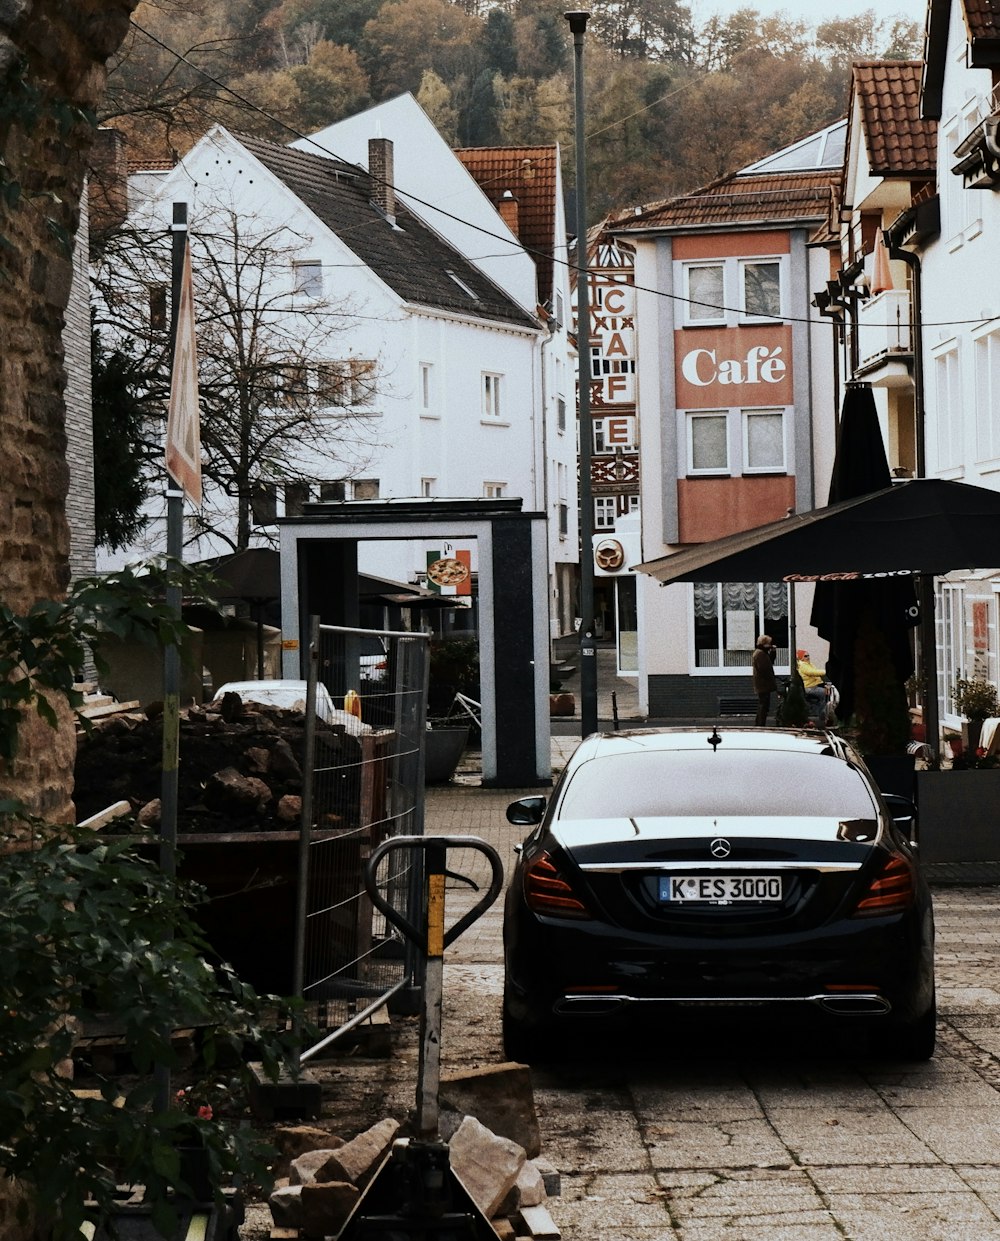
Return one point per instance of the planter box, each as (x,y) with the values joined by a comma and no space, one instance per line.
(443,750)
(959,815)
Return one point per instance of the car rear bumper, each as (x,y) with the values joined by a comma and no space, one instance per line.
(861,967)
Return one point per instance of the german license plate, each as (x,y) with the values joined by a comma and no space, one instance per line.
(720,889)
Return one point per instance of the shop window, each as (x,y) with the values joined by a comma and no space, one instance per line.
(727,618)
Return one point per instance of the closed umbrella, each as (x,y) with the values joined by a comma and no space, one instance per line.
(866,622)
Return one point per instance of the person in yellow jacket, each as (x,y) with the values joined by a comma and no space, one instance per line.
(814,684)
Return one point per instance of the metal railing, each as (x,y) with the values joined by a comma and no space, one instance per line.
(363,785)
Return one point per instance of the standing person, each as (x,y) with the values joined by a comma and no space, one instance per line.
(764,682)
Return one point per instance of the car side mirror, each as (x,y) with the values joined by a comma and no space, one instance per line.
(527,812)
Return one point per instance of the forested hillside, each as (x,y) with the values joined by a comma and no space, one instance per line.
(670,104)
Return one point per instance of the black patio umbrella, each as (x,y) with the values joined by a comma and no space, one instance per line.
(877,613)
(921,526)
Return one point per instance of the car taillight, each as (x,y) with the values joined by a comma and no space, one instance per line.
(547,892)
(892,889)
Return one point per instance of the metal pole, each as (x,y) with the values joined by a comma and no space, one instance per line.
(170,755)
(175,550)
(588,652)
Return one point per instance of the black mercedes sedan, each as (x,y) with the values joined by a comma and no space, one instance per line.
(682,869)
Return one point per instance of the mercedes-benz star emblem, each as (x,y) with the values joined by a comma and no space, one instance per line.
(720,847)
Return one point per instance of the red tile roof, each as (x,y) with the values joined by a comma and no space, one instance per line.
(529,173)
(900,142)
(735,201)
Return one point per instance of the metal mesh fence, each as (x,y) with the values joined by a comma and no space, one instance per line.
(365,785)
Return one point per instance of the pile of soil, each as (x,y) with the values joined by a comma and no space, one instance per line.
(240,767)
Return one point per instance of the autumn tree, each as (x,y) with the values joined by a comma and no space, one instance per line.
(280,405)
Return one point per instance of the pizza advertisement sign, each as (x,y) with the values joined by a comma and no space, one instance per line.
(449,570)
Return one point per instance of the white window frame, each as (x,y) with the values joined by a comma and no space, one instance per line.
(950,626)
(697,313)
(427,394)
(494,490)
(759,261)
(764,411)
(308,278)
(428,486)
(986,370)
(492,395)
(605,512)
(716,470)
(948,445)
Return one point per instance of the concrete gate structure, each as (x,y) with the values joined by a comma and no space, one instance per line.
(319,572)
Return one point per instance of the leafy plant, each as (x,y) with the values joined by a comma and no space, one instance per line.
(975,698)
(90,929)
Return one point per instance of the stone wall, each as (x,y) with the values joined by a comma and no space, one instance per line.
(52,61)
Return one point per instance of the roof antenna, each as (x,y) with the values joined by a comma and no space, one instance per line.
(715,740)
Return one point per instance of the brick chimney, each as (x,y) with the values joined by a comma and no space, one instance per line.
(509,212)
(380,169)
(108,183)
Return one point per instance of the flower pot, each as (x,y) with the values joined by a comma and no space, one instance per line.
(959,815)
(562,704)
(443,750)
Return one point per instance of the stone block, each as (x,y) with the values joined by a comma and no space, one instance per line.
(486,1163)
(325,1208)
(539,1223)
(295,1140)
(358,1160)
(286,1206)
(530,1186)
(550,1177)
(314,1168)
(500,1097)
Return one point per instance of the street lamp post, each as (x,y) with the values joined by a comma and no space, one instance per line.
(588,654)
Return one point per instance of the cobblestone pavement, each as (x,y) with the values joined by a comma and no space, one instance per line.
(730,1138)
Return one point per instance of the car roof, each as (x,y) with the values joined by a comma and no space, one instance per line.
(695,737)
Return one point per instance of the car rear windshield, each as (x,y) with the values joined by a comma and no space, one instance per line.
(645,784)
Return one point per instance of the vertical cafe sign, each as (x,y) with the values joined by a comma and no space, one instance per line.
(449,570)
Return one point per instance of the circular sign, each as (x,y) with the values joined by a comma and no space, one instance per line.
(609,555)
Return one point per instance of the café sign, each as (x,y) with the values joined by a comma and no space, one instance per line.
(720,367)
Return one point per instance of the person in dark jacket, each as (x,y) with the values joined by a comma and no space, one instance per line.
(764,681)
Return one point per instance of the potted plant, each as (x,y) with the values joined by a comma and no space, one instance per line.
(976,699)
(454,669)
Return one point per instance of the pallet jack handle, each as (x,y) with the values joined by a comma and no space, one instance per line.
(432,941)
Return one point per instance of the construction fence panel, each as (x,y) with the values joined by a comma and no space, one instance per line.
(365,785)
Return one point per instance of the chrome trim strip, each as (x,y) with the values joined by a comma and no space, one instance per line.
(723,865)
(823,999)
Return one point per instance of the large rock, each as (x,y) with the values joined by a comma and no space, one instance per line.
(286,1206)
(325,1208)
(501,1097)
(315,1167)
(229,790)
(358,1160)
(486,1164)
(292,1141)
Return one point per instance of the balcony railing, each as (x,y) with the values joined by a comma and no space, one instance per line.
(883,327)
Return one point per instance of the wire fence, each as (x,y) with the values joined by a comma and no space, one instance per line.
(364,784)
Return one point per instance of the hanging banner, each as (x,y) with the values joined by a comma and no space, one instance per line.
(449,570)
(183,449)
